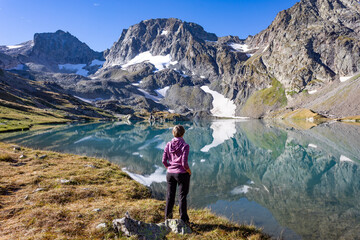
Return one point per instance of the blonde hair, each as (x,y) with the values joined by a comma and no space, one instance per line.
(178,131)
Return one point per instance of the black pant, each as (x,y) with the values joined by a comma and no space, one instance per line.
(183,180)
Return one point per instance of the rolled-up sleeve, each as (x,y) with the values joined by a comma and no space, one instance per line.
(184,158)
(165,156)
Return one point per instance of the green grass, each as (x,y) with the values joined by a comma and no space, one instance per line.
(269,97)
(12,119)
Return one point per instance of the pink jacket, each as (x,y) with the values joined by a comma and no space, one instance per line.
(175,157)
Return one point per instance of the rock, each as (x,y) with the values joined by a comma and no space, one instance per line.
(43,156)
(22,156)
(178,226)
(147,231)
(39,189)
(131,227)
(26,197)
(17,164)
(97,210)
(16,148)
(64,181)
(101,226)
(89,165)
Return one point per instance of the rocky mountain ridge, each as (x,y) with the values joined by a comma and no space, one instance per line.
(162,64)
(49,52)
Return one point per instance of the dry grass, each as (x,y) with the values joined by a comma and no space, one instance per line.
(36,204)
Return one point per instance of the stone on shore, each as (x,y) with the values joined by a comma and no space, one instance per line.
(131,227)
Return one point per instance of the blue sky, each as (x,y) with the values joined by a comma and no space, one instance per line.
(99,23)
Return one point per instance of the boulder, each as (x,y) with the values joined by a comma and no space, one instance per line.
(132,227)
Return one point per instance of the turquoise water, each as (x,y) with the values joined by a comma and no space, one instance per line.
(299,184)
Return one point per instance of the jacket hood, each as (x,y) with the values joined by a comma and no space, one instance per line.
(176,144)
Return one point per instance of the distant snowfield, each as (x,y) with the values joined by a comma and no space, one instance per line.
(222,107)
(162,91)
(158,176)
(344,79)
(345,159)
(160,62)
(97,62)
(14,46)
(149,96)
(77,68)
(87,100)
(240,47)
(222,130)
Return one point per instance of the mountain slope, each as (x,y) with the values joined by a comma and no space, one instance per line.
(24,103)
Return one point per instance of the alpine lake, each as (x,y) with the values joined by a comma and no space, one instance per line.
(295,184)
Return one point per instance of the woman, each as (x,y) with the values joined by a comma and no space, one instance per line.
(175,159)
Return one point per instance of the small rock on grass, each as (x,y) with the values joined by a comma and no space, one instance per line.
(89,165)
(16,148)
(43,156)
(39,189)
(101,226)
(97,210)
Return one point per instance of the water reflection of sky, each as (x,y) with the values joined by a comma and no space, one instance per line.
(290,182)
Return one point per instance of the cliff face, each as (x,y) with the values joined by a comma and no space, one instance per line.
(61,48)
(312,40)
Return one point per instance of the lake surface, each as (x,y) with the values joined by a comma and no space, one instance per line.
(299,184)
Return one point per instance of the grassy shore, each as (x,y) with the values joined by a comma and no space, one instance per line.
(50,195)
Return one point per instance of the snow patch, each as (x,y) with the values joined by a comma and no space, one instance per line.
(164,32)
(202,160)
(158,176)
(202,77)
(160,62)
(14,46)
(77,68)
(240,47)
(171,111)
(97,62)
(241,189)
(345,159)
(222,131)
(149,96)
(162,91)
(312,145)
(344,79)
(222,107)
(87,100)
(266,48)
(312,91)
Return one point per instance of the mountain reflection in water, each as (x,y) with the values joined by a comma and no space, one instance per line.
(298,184)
